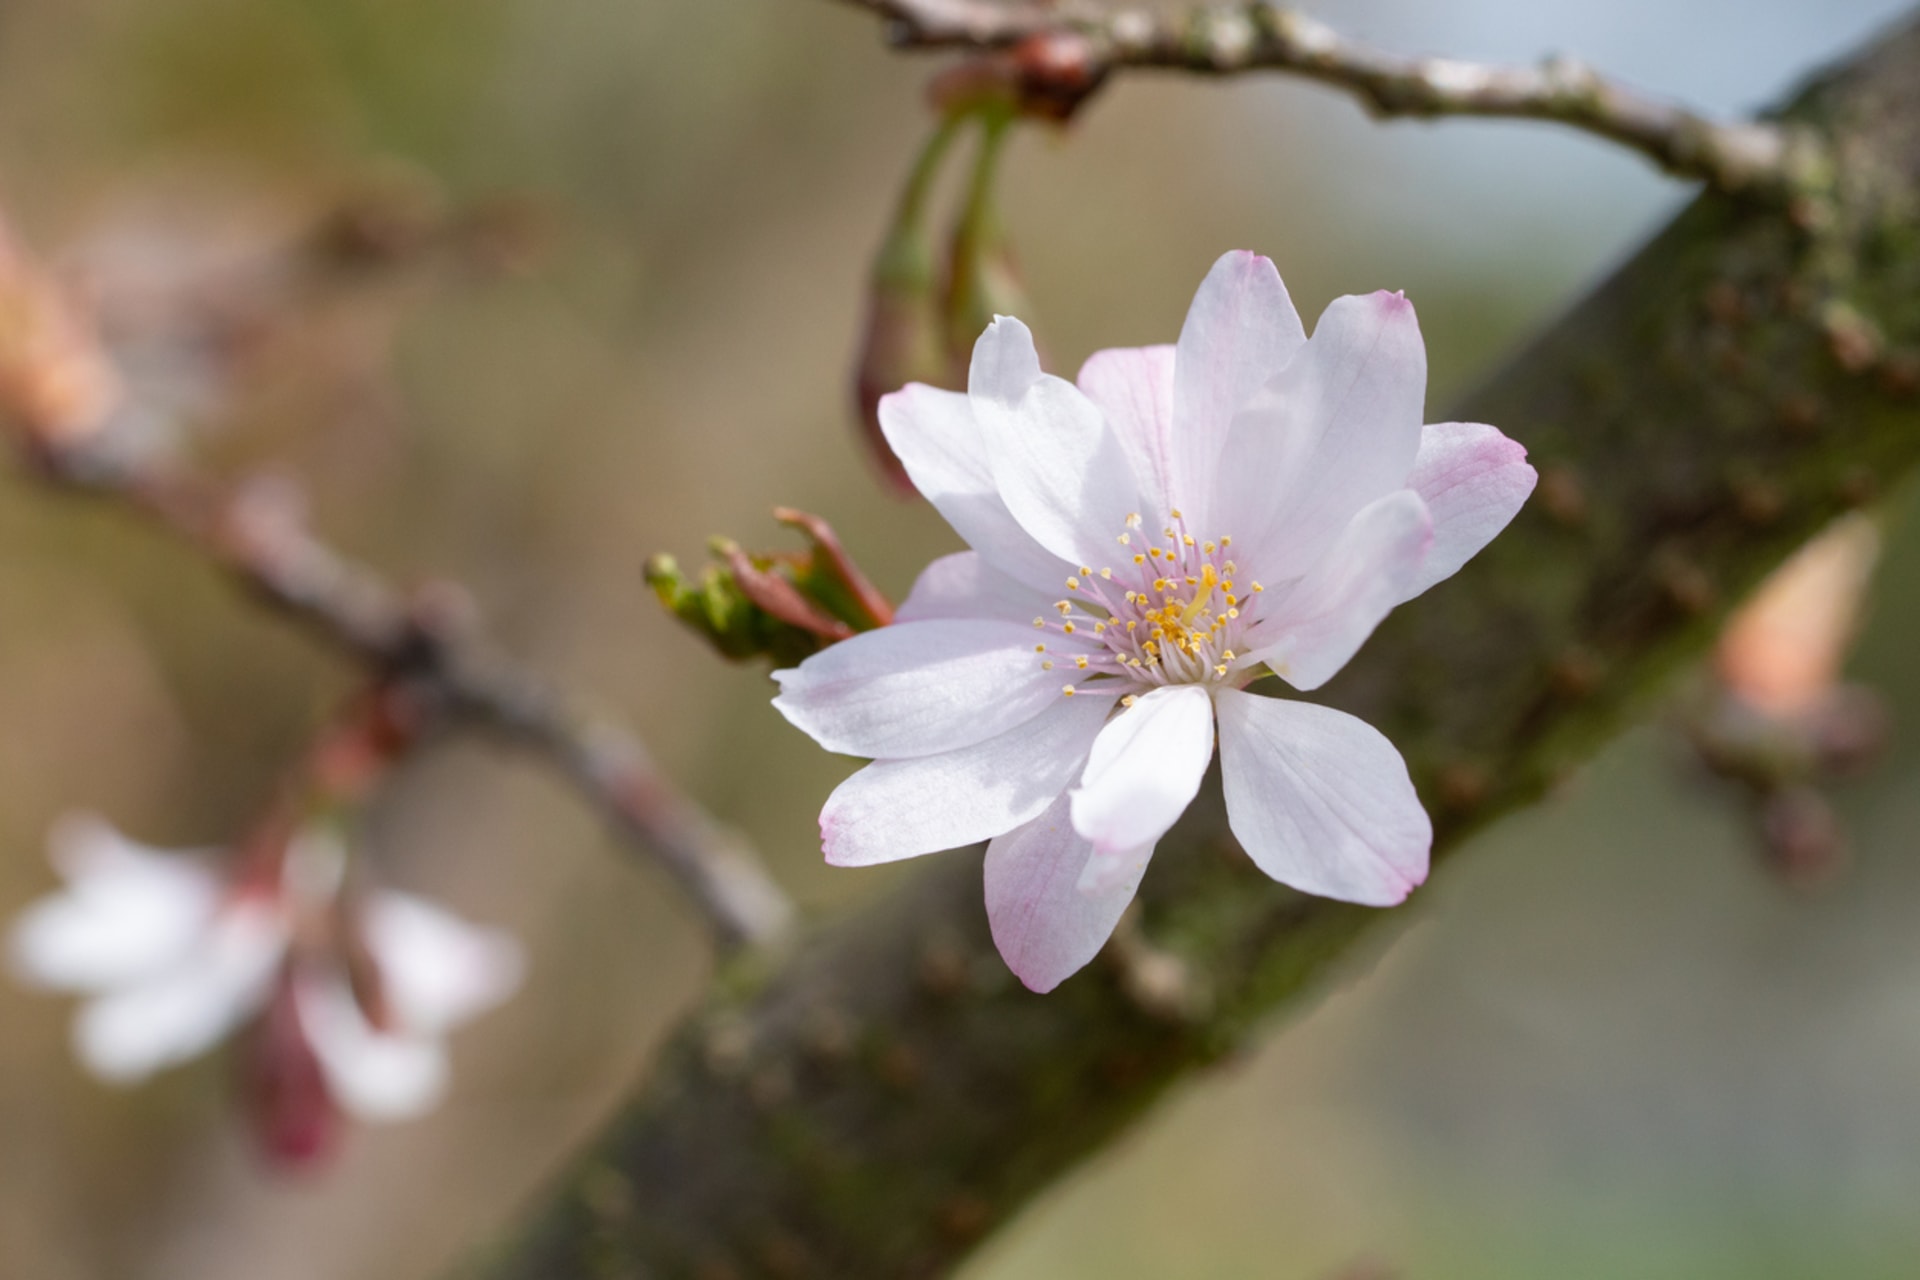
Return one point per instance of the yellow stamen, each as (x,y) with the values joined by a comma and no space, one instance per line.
(1067,690)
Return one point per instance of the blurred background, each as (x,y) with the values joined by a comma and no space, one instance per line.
(1606,1043)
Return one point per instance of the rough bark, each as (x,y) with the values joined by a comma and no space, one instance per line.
(874,1100)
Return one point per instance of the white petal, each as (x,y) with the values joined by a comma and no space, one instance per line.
(1474,481)
(437,970)
(896,809)
(127,912)
(1045,926)
(1145,768)
(373,1075)
(963,585)
(1321,800)
(1338,428)
(1310,632)
(944,449)
(1133,387)
(177,1014)
(1241,330)
(1059,467)
(918,688)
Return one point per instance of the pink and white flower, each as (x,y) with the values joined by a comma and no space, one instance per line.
(348,994)
(1145,544)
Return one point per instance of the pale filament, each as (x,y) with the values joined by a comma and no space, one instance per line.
(1171,612)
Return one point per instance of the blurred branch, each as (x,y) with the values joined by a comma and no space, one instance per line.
(1067,49)
(885,1096)
(63,399)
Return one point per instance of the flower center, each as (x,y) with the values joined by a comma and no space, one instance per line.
(1168,613)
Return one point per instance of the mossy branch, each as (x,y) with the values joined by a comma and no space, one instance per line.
(876,1099)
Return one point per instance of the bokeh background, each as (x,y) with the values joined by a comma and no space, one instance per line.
(1605,1044)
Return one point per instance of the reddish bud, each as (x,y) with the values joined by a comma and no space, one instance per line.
(294,1118)
(55,381)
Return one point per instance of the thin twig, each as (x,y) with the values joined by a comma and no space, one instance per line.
(1261,36)
(49,357)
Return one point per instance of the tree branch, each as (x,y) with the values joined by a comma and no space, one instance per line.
(63,397)
(1072,47)
(874,1104)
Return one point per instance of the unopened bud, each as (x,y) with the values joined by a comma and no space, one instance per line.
(1783,650)
(983,278)
(786,605)
(903,341)
(56,384)
(294,1118)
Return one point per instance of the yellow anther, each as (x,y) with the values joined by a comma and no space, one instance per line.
(1039,622)
(1099,628)
(1192,581)
(1231,613)
(1159,584)
(1175,513)
(1046,666)
(1129,700)
(1133,521)
(1085,572)
(1067,690)
(1232,598)
(1123,539)
(1258,587)
(1229,568)
(1039,648)
(1221,669)
(1107,574)
(1228,655)
(1073,584)
(1081,662)
(1154,552)
(1063,606)
(1067,627)
(1138,558)
(1226,541)
(1209,548)
(1187,539)
(1131,625)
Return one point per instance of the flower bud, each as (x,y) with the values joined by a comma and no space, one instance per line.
(903,341)
(983,278)
(786,605)
(56,385)
(294,1118)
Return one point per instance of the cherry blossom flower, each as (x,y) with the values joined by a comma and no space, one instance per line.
(346,995)
(1145,544)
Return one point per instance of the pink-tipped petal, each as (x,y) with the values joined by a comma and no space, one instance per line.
(436,970)
(1045,926)
(1474,480)
(1321,800)
(1326,616)
(944,450)
(1145,769)
(1338,428)
(374,1075)
(963,585)
(1060,469)
(1241,330)
(918,688)
(1133,387)
(895,809)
